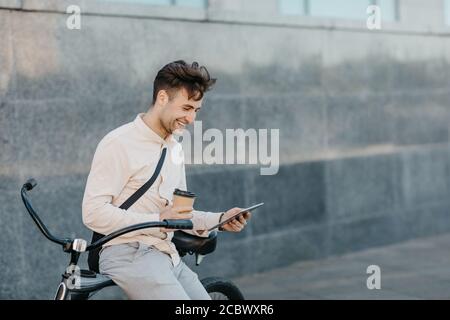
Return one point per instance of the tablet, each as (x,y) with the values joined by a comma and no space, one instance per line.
(236,215)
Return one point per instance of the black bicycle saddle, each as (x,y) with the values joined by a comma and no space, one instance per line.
(188,243)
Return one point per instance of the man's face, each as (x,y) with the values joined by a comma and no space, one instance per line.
(178,112)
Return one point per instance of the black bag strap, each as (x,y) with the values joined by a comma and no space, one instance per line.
(140,192)
(94,255)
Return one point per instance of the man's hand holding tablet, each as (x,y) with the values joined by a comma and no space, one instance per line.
(234,220)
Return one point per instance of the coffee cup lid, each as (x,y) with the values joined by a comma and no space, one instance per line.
(184,193)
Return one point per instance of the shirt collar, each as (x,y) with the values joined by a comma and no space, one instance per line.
(149,133)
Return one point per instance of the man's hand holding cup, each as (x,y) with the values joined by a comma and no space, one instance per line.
(183,204)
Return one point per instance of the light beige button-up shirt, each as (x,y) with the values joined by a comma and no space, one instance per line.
(124,160)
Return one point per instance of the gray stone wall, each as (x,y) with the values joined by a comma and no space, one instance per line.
(363,119)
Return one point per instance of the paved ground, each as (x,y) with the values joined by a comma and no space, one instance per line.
(417,269)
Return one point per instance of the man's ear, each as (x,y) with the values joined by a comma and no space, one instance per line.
(162,97)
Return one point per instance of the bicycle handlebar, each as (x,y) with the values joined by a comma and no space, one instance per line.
(29,185)
(169,224)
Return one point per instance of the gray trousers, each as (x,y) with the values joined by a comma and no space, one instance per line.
(145,273)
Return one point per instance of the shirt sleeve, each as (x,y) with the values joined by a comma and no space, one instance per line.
(108,176)
(202,220)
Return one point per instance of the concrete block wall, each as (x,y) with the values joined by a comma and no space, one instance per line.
(363,119)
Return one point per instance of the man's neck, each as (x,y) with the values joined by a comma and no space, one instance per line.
(154,123)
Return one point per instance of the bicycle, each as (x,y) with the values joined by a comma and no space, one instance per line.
(78,284)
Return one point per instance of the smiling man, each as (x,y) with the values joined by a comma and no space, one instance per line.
(145,263)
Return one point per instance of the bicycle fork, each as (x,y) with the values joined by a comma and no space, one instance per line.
(62,291)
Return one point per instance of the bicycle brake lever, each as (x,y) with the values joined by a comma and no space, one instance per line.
(30,184)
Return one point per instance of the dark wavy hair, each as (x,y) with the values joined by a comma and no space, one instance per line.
(178,74)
